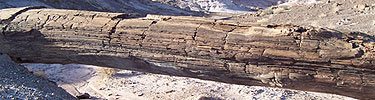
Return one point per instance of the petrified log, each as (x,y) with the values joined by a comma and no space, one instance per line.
(287,56)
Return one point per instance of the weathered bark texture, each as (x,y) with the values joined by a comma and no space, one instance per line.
(287,56)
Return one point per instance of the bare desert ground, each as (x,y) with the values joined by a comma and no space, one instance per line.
(117,84)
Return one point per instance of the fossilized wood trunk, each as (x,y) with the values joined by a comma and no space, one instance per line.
(287,56)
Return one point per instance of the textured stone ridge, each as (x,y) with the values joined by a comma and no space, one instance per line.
(288,56)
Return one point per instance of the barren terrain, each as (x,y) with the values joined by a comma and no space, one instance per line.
(120,84)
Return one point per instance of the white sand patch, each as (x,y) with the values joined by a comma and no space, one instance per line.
(132,85)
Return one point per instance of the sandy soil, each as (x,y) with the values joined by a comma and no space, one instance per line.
(106,83)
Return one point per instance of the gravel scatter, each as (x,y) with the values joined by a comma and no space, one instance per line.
(17,83)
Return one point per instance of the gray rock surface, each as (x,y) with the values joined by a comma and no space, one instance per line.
(17,83)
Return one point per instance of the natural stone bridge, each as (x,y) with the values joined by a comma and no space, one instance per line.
(286,56)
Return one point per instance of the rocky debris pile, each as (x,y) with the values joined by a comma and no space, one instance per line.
(17,83)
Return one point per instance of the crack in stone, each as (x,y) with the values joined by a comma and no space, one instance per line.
(196,31)
(93,16)
(45,22)
(143,36)
(262,55)
(113,30)
(227,34)
(68,20)
(57,18)
(101,28)
(27,18)
(71,26)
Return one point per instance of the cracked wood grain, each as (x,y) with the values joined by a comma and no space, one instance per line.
(286,56)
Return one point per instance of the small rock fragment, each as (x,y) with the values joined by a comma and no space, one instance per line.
(170,91)
(84,96)
(361,6)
